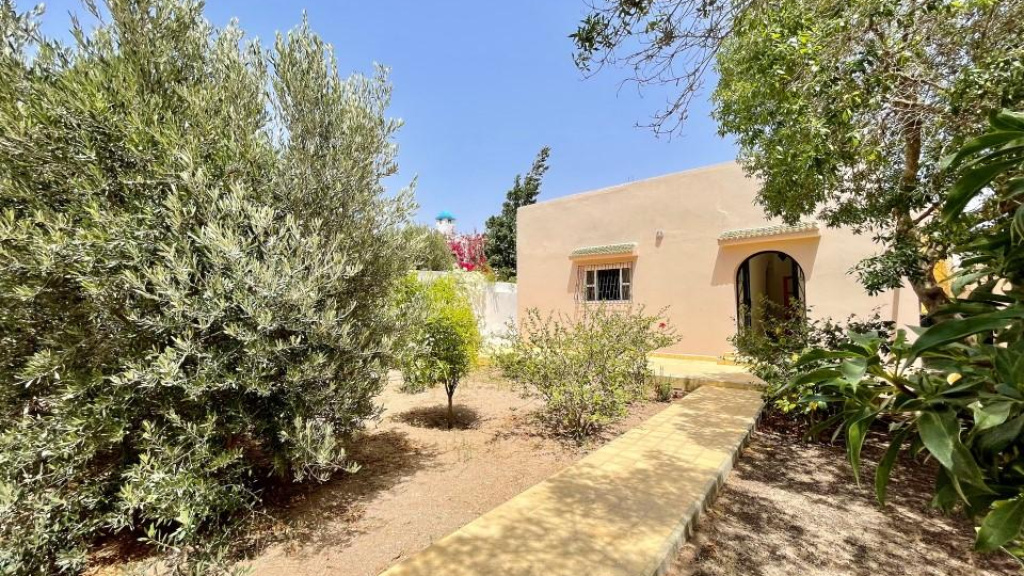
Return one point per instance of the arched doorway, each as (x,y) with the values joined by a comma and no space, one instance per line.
(768,284)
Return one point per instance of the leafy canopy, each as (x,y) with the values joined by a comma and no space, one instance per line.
(843,109)
(197,261)
(501,228)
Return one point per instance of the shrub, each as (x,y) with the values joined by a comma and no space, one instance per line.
(431,249)
(772,352)
(956,394)
(587,370)
(664,391)
(445,346)
(196,263)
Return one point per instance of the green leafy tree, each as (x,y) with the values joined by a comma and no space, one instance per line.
(445,344)
(843,109)
(501,229)
(197,261)
(431,248)
(963,405)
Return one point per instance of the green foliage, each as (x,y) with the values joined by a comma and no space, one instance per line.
(431,248)
(446,342)
(664,391)
(843,110)
(501,229)
(772,353)
(588,369)
(197,259)
(957,392)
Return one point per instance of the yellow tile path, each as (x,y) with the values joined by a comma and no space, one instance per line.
(621,511)
(689,373)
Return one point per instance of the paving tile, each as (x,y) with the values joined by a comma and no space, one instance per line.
(620,511)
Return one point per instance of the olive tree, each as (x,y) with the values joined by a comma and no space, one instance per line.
(197,261)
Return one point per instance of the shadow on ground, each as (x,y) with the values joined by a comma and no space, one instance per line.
(792,507)
(324,514)
(436,417)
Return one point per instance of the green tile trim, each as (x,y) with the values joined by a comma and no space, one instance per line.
(768,231)
(604,250)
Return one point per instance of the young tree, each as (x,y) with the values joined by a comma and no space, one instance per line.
(445,344)
(501,228)
(842,108)
(197,261)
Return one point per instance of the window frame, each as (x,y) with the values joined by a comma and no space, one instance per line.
(588,287)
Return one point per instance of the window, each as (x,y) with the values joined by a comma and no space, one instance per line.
(607,283)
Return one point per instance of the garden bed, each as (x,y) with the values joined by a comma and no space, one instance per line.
(419,481)
(791,507)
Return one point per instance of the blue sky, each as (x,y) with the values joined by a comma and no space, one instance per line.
(481,87)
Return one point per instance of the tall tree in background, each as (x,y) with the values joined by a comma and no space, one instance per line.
(501,229)
(843,108)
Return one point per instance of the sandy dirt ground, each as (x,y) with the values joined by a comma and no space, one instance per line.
(419,481)
(793,508)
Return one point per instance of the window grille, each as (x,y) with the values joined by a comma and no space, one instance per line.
(605,282)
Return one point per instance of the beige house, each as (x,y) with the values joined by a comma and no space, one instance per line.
(695,243)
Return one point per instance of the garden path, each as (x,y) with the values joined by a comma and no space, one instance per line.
(621,511)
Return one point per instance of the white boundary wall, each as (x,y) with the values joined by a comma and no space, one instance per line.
(495,303)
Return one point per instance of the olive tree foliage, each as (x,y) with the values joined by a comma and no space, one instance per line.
(197,259)
(430,248)
(842,108)
(501,228)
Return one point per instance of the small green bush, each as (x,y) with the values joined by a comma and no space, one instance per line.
(664,391)
(444,346)
(587,370)
(772,352)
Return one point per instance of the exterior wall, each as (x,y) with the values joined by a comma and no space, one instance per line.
(686,270)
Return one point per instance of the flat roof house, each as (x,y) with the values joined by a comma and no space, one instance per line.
(696,243)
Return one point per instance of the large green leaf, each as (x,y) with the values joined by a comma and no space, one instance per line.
(954,330)
(983,142)
(856,432)
(991,414)
(940,433)
(884,470)
(853,369)
(970,183)
(999,437)
(1007,120)
(1002,524)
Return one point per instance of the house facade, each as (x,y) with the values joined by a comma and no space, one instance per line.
(695,244)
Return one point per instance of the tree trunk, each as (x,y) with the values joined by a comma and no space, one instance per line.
(926,287)
(450,389)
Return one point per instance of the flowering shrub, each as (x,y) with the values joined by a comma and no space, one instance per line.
(469,251)
(588,370)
